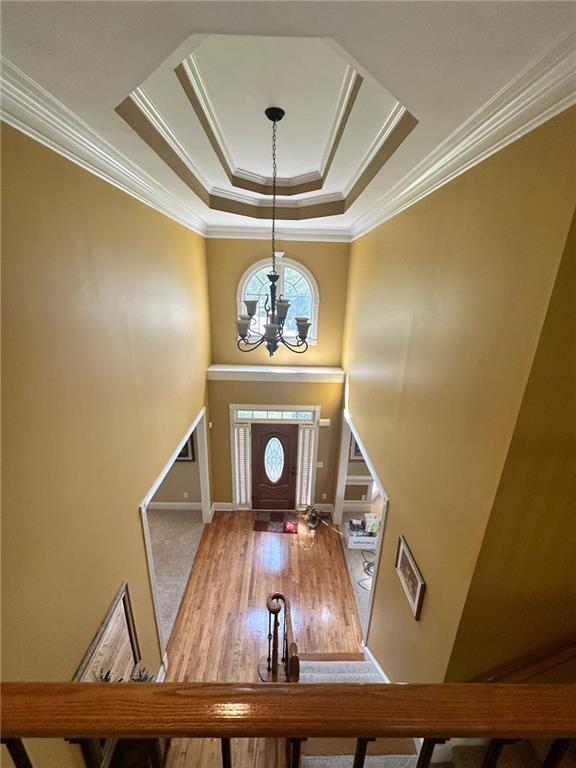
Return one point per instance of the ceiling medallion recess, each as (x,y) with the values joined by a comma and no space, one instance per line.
(275,309)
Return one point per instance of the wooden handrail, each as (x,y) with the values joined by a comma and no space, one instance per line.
(526,668)
(134,710)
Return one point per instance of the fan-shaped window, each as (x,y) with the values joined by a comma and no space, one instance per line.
(296,284)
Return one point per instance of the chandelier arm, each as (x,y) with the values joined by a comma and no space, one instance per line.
(299,348)
(249,346)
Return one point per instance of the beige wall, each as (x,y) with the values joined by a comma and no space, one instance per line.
(182,478)
(227,262)
(523,594)
(105,328)
(445,306)
(223,393)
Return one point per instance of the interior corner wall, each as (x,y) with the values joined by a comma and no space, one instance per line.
(446,302)
(227,262)
(224,393)
(105,347)
(523,597)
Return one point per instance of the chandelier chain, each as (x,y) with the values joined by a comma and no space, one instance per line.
(274,172)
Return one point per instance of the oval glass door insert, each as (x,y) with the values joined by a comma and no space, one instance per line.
(274,459)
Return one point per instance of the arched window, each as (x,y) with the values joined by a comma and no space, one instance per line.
(296,284)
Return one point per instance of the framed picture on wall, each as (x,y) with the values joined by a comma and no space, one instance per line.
(410,577)
(355,452)
(187,452)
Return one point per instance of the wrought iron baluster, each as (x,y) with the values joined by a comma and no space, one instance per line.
(426,751)
(226,753)
(360,753)
(17,752)
(269,667)
(556,753)
(494,751)
(284,649)
(295,750)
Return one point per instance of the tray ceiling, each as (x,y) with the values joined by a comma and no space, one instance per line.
(385,101)
(205,119)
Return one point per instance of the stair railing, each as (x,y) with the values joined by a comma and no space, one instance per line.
(268,667)
(225,711)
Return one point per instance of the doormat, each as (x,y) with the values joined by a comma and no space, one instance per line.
(276,522)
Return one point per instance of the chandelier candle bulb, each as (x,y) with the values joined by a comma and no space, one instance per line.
(303,325)
(243,324)
(282,307)
(251,305)
(271,331)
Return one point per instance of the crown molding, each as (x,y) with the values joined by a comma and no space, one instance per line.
(153,114)
(391,121)
(29,108)
(540,91)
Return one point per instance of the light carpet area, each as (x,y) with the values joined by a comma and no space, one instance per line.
(175,535)
(358,578)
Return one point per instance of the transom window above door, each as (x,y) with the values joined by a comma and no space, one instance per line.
(296,284)
(306,415)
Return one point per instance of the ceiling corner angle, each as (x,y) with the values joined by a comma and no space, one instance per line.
(32,110)
(540,91)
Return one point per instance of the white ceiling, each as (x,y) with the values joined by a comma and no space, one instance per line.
(456,66)
(243,75)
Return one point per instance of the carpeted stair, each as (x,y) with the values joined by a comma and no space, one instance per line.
(338,672)
(371,761)
(339,752)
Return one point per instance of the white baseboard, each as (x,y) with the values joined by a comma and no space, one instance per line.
(222,506)
(357,506)
(190,506)
(161,674)
(379,669)
(323,507)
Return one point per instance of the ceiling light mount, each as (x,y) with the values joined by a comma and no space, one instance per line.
(274,114)
(272,314)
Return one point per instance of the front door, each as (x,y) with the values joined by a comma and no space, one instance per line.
(274,458)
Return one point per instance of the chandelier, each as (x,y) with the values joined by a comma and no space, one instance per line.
(276,308)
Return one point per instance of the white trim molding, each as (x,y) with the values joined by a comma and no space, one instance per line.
(294,234)
(540,91)
(356,506)
(31,109)
(161,674)
(374,661)
(223,506)
(199,424)
(278,373)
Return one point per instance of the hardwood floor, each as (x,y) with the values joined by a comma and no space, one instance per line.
(221,628)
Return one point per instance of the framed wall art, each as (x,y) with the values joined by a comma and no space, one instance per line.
(187,452)
(410,577)
(355,452)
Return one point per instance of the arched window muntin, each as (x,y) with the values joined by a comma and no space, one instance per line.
(296,283)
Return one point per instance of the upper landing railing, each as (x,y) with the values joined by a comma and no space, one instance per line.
(294,712)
